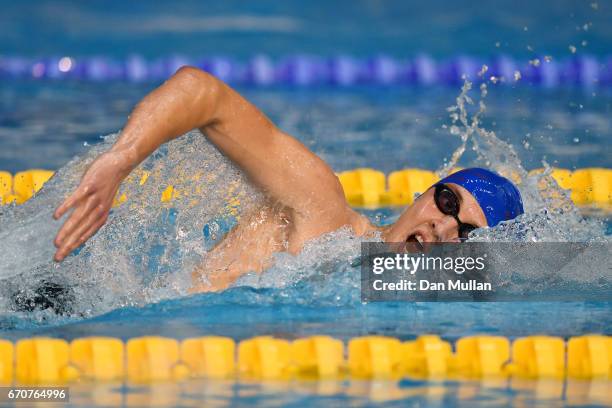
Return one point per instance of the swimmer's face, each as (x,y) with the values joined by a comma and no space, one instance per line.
(424,222)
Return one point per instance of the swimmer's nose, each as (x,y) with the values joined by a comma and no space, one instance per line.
(427,231)
(445,229)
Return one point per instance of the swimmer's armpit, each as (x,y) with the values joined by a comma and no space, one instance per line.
(248,247)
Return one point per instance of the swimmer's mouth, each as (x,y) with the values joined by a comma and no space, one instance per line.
(414,243)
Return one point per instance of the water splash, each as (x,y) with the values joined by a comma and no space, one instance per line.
(147,249)
(491,151)
(324,272)
(550,215)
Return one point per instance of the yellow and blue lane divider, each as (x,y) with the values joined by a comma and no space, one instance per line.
(363,187)
(42,360)
(145,359)
(22,186)
(366,187)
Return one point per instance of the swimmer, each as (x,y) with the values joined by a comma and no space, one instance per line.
(304,196)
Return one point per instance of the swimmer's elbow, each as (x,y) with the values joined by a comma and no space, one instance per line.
(204,88)
(197,78)
(188,71)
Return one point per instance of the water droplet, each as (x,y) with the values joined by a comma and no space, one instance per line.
(535,62)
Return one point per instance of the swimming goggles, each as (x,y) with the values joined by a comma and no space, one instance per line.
(448,203)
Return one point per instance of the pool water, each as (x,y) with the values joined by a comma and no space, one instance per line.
(384,129)
(409,392)
(380,128)
(130,280)
(361,27)
(42,125)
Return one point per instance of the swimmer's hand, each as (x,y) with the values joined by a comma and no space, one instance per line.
(91,202)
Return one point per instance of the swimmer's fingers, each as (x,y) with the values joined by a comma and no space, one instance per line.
(78,195)
(82,233)
(91,231)
(75,219)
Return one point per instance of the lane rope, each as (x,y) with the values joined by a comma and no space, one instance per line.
(363,187)
(145,359)
(585,71)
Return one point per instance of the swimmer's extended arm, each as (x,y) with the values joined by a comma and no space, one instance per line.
(286,169)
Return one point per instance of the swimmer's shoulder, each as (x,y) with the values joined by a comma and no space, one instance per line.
(360,224)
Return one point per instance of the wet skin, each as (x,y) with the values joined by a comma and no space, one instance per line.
(305,198)
(250,245)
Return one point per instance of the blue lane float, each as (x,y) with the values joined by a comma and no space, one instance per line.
(307,70)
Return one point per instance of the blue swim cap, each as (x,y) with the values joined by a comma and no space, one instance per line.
(498,197)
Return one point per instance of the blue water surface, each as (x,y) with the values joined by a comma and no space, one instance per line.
(44,124)
(359,27)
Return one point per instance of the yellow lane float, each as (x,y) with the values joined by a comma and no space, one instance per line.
(363,187)
(41,360)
